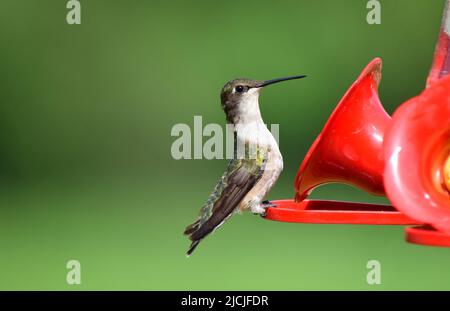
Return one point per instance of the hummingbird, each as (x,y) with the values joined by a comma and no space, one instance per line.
(255,167)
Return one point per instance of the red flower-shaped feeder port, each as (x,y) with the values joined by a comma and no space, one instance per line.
(349,148)
(417,149)
(406,157)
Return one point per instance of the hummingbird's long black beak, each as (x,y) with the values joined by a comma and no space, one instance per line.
(273,81)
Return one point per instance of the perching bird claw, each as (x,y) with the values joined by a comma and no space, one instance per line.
(265,205)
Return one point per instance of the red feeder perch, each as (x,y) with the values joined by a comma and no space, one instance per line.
(337,212)
(406,157)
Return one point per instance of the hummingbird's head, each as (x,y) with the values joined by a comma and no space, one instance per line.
(239,98)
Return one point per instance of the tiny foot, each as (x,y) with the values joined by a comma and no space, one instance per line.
(265,205)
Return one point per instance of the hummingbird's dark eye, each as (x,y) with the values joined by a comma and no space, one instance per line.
(239,89)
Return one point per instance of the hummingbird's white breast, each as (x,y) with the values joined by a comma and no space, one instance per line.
(251,129)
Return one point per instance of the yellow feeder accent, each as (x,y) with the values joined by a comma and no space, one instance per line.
(447,173)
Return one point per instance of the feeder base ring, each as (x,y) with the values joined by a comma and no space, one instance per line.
(426,235)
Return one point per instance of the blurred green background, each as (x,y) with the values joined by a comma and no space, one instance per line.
(85,118)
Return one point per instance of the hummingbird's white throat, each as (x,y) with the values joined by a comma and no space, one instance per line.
(249,107)
(250,127)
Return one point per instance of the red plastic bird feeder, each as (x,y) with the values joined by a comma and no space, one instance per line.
(406,157)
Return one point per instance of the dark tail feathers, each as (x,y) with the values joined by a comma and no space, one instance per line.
(191,229)
(193,246)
